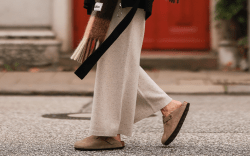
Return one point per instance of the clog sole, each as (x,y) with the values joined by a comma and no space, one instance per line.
(83,149)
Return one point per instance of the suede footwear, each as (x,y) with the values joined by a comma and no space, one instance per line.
(98,143)
(173,122)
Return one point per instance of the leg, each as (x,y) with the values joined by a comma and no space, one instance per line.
(117,77)
(119,101)
(151,98)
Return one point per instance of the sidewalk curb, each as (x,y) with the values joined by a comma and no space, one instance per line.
(231,91)
(171,82)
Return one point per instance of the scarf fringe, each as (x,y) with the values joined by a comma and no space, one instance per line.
(95,31)
(84,49)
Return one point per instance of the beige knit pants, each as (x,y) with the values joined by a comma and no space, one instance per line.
(124,93)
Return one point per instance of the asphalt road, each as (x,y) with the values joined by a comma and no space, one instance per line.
(215,125)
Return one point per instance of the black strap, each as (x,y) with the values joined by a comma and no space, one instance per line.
(89,63)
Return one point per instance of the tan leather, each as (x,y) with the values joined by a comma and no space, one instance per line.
(171,121)
(96,142)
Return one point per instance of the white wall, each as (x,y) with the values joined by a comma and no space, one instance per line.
(25,13)
(40,13)
(62,22)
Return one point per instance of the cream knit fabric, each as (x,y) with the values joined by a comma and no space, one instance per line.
(124,93)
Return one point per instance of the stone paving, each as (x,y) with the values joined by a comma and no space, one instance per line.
(174,82)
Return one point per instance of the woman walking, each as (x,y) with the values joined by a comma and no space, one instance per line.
(124,93)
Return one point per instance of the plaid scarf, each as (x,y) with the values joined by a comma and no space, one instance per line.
(95,31)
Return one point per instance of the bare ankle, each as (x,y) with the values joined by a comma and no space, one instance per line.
(118,137)
(173,105)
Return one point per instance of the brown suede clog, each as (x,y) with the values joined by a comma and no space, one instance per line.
(98,143)
(173,122)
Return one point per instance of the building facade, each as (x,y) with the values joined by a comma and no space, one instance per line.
(54,27)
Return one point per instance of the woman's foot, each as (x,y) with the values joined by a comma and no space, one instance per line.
(118,137)
(173,105)
(173,121)
(98,143)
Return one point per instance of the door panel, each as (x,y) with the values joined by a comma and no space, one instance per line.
(182,26)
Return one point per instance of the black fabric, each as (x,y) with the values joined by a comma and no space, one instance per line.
(144,4)
(89,63)
(89,5)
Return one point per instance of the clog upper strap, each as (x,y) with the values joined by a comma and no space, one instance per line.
(166,119)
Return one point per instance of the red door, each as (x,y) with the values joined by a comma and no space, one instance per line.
(172,26)
(182,26)
(80,20)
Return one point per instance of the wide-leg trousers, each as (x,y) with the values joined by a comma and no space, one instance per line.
(124,93)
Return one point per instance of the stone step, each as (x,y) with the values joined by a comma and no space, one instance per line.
(29,52)
(29,42)
(165,60)
(30,34)
(179,60)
